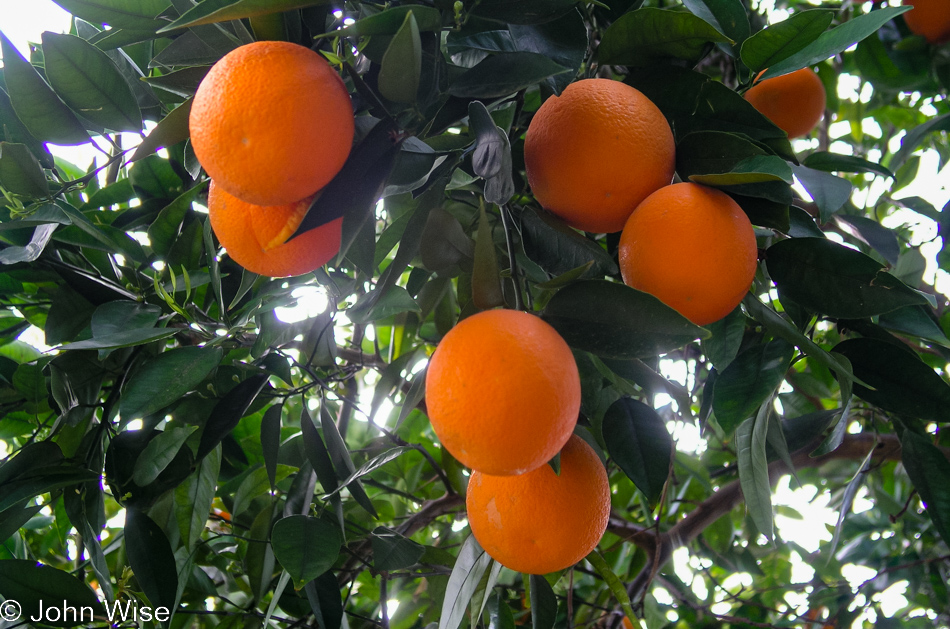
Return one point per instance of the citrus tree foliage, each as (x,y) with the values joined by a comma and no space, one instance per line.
(183,445)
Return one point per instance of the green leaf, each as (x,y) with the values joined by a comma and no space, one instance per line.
(835,162)
(159,452)
(726,339)
(401,66)
(373,307)
(617,587)
(255,485)
(748,381)
(504,74)
(32,250)
(916,136)
(754,472)
(392,551)
(470,567)
(270,440)
(543,603)
(193,498)
(829,192)
(638,441)
(838,39)
(34,586)
(127,338)
(342,463)
(832,279)
(212,11)
(902,383)
(227,413)
(726,16)
(709,152)
(370,466)
(151,559)
(870,232)
(89,82)
(306,547)
(391,21)
(119,14)
(169,131)
(20,171)
(37,106)
(778,42)
(564,40)
(916,321)
(646,35)
(523,11)
(615,321)
(847,500)
(499,613)
(165,378)
(486,281)
(929,470)
(755,169)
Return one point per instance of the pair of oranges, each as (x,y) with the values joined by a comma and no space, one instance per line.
(272,124)
(503,395)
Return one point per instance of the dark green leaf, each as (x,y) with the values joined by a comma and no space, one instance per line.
(165,378)
(708,152)
(126,338)
(564,40)
(873,234)
(726,16)
(371,466)
(89,82)
(390,21)
(170,130)
(754,473)
(847,500)
(270,440)
(838,39)
(523,11)
(829,192)
(638,441)
(466,575)
(929,470)
(543,603)
(342,463)
(486,282)
(646,35)
(499,613)
(392,551)
(615,321)
(34,586)
(616,586)
(726,339)
(323,593)
(916,136)
(151,559)
(778,42)
(749,380)
(834,162)
(902,382)
(228,412)
(212,11)
(138,15)
(401,66)
(37,106)
(306,547)
(832,279)
(504,74)
(755,169)
(20,171)
(159,452)
(193,498)
(916,321)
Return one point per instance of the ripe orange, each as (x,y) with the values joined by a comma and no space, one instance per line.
(795,102)
(271,123)
(597,150)
(929,18)
(541,522)
(256,237)
(503,392)
(693,248)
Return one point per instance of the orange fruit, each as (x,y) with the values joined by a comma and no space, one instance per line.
(930,19)
(503,392)
(597,150)
(542,522)
(693,248)
(256,237)
(271,123)
(795,102)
